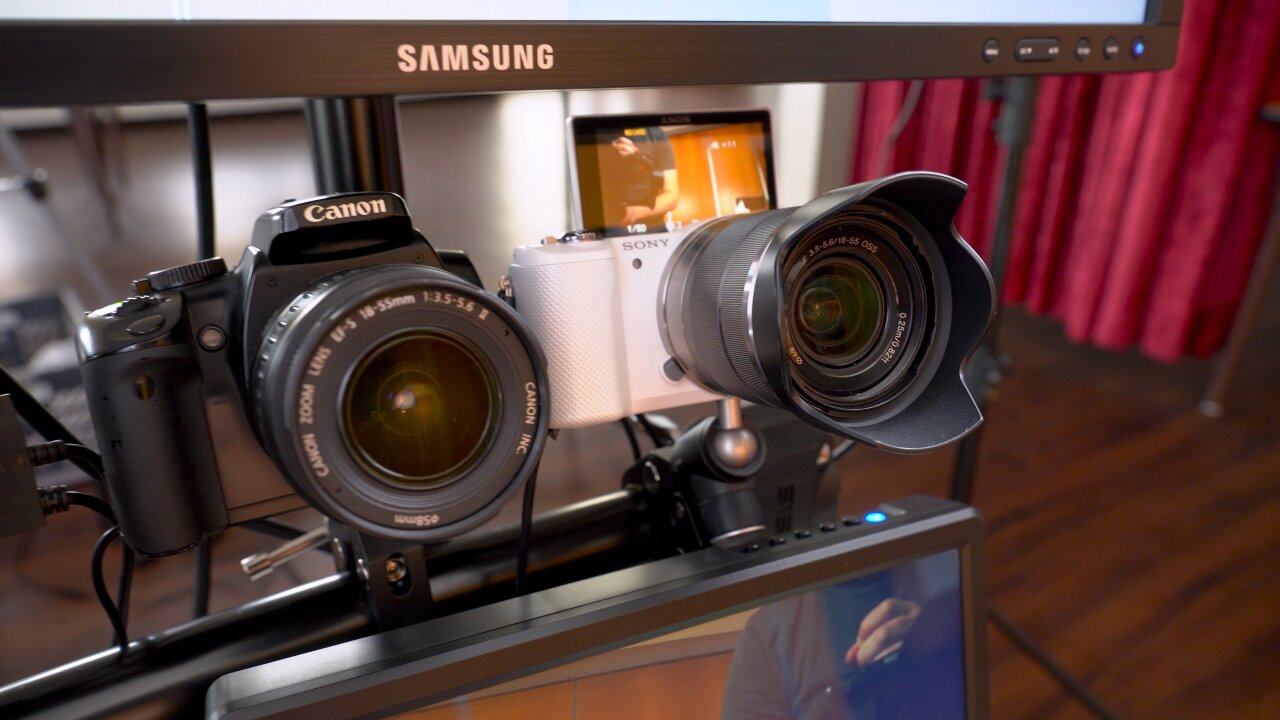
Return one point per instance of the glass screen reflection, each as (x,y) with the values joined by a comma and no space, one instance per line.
(885,645)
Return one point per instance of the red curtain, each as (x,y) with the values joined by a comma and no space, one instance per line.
(1143,196)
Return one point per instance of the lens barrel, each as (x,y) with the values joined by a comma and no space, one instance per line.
(855,310)
(401,400)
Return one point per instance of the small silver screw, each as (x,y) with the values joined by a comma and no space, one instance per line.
(396,569)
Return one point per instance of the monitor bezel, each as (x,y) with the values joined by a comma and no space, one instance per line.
(115,62)
(412,667)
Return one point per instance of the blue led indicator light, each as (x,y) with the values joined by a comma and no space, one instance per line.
(1139,48)
(875,517)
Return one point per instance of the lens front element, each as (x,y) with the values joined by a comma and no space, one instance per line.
(420,409)
(839,312)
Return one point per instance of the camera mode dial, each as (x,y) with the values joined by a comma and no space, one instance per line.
(183,275)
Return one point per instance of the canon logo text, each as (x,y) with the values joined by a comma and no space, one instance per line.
(320,213)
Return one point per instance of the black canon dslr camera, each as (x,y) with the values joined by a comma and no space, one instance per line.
(213,391)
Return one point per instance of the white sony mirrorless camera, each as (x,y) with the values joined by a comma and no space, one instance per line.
(855,311)
(593,302)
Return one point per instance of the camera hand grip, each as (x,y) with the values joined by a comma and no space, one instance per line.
(149,417)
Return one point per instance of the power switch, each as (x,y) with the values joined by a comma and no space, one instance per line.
(1037,49)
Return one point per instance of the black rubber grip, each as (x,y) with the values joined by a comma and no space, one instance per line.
(149,417)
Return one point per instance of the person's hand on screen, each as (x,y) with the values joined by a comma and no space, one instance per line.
(882,631)
(625,147)
(636,213)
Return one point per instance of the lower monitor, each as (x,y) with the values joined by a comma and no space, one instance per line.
(876,616)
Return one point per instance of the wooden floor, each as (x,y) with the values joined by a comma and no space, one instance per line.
(1136,539)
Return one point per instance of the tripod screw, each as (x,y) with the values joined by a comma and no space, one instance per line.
(396,569)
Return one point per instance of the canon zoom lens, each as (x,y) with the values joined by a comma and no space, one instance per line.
(855,310)
(402,400)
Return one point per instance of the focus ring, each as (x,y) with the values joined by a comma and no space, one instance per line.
(270,348)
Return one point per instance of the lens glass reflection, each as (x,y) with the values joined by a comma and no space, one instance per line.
(421,408)
(838,311)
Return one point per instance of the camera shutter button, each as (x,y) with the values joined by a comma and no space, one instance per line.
(145,325)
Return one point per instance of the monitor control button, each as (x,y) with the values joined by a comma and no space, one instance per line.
(1111,48)
(1037,50)
(991,50)
(1084,49)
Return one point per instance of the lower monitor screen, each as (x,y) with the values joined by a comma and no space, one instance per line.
(889,644)
(647,174)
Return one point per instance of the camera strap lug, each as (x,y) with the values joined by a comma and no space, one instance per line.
(506,290)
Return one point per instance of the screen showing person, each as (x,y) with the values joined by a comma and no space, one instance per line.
(886,645)
(645,177)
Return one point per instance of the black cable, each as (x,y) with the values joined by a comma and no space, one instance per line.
(87,460)
(655,434)
(202,162)
(630,430)
(526,534)
(30,409)
(90,502)
(203,570)
(124,588)
(57,451)
(908,109)
(39,417)
(100,589)
(1029,646)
